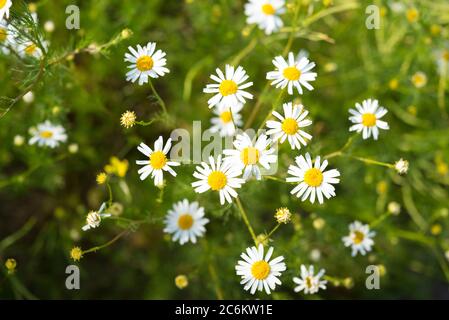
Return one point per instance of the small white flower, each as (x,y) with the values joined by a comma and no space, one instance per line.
(283,215)
(31,49)
(218,176)
(229,88)
(257,271)
(419,79)
(4,8)
(145,62)
(359,238)
(19,140)
(401,166)
(265,13)
(289,126)
(309,282)
(250,156)
(7,38)
(442,60)
(292,73)
(227,120)
(28,97)
(185,221)
(367,118)
(157,161)
(47,134)
(93,218)
(313,180)
(394,208)
(49,26)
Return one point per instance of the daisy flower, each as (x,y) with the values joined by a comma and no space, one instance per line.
(157,161)
(30,49)
(289,126)
(227,119)
(93,218)
(218,176)
(4,8)
(292,73)
(47,134)
(312,180)
(419,79)
(265,13)
(185,221)
(359,238)
(6,36)
(367,118)
(229,88)
(257,271)
(250,156)
(309,282)
(145,62)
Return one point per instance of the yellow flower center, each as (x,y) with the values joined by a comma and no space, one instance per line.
(268,9)
(260,270)
(309,282)
(226,116)
(46,134)
(29,50)
(217,180)
(3,34)
(2,3)
(144,63)
(228,87)
(292,73)
(446,55)
(185,221)
(313,177)
(290,126)
(358,237)
(412,14)
(419,80)
(369,120)
(250,155)
(158,160)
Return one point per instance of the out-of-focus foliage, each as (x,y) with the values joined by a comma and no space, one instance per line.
(45,194)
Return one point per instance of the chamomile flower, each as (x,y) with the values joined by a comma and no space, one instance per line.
(6,37)
(367,117)
(258,272)
(292,73)
(419,79)
(359,238)
(47,134)
(309,282)
(289,126)
(30,49)
(157,161)
(218,176)
(145,62)
(251,156)
(185,221)
(442,60)
(313,181)
(4,8)
(265,13)
(227,120)
(93,218)
(229,88)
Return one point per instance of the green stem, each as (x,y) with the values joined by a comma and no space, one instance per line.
(271,232)
(342,149)
(275,104)
(212,271)
(107,244)
(246,220)
(376,222)
(159,99)
(442,89)
(371,161)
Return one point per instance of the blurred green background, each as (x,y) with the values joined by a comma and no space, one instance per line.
(45,194)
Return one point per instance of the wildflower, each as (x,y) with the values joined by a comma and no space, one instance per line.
(101,177)
(76,253)
(229,88)
(348,283)
(227,120)
(6,36)
(28,97)
(393,84)
(283,215)
(292,73)
(401,166)
(312,180)
(93,218)
(157,161)
(49,26)
(257,271)
(30,49)
(319,223)
(412,15)
(185,221)
(367,118)
(117,167)
(4,8)
(128,119)
(19,140)
(262,239)
(289,126)
(47,134)
(73,148)
(442,60)
(436,229)
(265,13)
(435,29)
(359,238)
(181,281)
(309,282)
(394,208)
(218,176)
(11,265)
(145,62)
(419,79)
(249,156)
(315,255)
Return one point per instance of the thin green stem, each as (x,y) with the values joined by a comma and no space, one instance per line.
(158,97)
(110,194)
(371,161)
(246,220)
(376,222)
(271,232)
(107,244)
(442,90)
(212,271)
(342,149)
